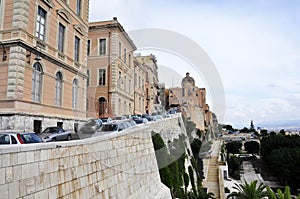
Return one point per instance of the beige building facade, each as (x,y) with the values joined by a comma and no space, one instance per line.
(192,99)
(139,87)
(152,104)
(111,70)
(43,63)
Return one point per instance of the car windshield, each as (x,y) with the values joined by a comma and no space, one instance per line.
(4,139)
(30,138)
(110,127)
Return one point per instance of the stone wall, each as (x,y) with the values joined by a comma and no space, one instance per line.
(121,165)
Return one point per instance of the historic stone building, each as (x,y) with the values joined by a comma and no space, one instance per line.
(193,99)
(110,70)
(139,87)
(43,63)
(152,104)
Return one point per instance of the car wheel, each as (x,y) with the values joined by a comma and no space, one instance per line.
(54,140)
(69,137)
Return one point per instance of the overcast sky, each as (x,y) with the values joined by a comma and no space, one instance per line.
(254,45)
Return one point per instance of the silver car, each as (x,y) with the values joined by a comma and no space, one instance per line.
(51,134)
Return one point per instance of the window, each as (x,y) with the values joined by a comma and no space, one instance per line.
(129,60)
(119,80)
(125,79)
(143,84)
(74,93)
(58,89)
(125,108)
(129,86)
(40,24)
(78,7)
(183,92)
(36,82)
(102,46)
(61,37)
(135,77)
(88,47)
(139,82)
(119,106)
(102,75)
(88,78)
(124,55)
(120,49)
(76,49)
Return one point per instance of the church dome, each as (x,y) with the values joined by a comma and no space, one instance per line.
(188,80)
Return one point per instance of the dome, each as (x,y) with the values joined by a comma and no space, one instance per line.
(188,80)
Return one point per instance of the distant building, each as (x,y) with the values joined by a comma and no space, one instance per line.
(140,73)
(193,99)
(43,63)
(151,85)
(111,70)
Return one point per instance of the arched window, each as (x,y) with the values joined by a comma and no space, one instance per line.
(36,82)
(74,94)
(58,89)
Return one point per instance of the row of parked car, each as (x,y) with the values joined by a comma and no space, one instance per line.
(96,127)
(92,127)
(48,135)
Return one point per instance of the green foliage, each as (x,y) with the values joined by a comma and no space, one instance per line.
(251,147)
(279,195)
(186,179)
(264,132)
(252,127)
(228,127)
(196,146)
(234,165)
(248,191)
(282,153)
(191,174)
(245,130)
(233,147)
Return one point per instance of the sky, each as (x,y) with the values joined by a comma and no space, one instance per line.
(254,46)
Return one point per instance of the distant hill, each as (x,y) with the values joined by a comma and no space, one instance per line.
(286,125)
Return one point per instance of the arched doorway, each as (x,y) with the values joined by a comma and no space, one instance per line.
(102,107)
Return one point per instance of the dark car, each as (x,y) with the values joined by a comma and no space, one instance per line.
(91,126)
(56,134)
(147,116)
(7,138)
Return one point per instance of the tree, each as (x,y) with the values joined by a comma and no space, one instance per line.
(248,191)
(233,147)
(279,195)
(251,147)
(252,127)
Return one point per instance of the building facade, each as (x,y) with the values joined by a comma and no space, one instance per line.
(152,104)
(193,99)
(139,87)
(43,63)
(110,69)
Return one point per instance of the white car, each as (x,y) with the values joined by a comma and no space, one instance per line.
(11,137)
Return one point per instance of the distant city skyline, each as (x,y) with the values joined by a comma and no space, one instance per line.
(254,46)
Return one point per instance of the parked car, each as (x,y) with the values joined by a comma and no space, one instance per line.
(106,120)
(19,138)
(91,126)
(147,116)
(139,120)
(112,128)
(51,134)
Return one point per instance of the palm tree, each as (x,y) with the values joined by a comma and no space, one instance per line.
(248,191)
(279,195)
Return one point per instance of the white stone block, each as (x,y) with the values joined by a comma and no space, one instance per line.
(13,191)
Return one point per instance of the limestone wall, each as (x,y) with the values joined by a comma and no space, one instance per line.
(121,165)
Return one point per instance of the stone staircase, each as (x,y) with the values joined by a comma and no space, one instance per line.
(212,181)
